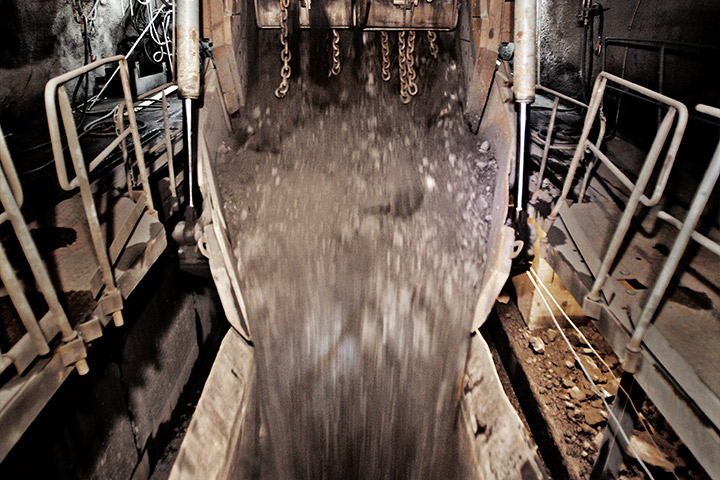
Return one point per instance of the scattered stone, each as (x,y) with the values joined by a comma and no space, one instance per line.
(569,405)
(593,417)
(569,364)
(503,298)
(537,345)
(552,335)
(256,113)
(568,383)
(612,386)
(577,394)
(649,454)
(430,184)
(576,339)
(587,429)
(592,369)
(484,147)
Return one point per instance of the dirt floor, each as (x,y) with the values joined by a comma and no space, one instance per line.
(574,416)
(360,225)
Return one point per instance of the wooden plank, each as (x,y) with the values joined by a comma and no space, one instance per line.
(208,448)
(486,21)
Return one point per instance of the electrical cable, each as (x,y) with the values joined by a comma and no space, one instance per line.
(645,424)
(592,383)
(132,49)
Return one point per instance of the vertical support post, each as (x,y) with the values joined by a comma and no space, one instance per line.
(548,142)
(169,150)
(661,76)
(632,204)
(139,155)
(87,198)
(705,190)
(595,100)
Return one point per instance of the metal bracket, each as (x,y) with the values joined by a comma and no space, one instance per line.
(74,352)
(593,307)
(111,302)
(91,329)
(632,360)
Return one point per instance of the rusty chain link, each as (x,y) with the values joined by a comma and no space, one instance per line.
(335,70)
(386,75)
(432,36)
(285,55)
(404,95)
(412,88)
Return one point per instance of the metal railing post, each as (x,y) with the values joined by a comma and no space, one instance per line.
(139,155)
(632,204)
(88,201)
(697,206)
(596,99)
(170,154)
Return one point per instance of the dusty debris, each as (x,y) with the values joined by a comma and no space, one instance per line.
(577,394)
(593,417)
(537,345)
(649,454)
(592,368)
(552,334)
(360,274)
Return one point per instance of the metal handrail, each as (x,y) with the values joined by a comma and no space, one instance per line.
(56,96)
(8,168)
(662,46)
(637,189)
(687,231)
(55,93)
(23,352)
(547,143)
(661,136)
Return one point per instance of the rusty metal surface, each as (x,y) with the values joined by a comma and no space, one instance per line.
(370,15)
(188,48)
(525,54)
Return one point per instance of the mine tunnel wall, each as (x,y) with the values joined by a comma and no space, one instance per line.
(689,73)
(40,40)
(114,422)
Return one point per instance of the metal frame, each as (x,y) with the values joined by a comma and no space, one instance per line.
(56,95)
(38,332)
(547,142)
(687,232)
(662,47)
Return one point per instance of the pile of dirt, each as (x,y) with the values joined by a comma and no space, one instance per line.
(360,224)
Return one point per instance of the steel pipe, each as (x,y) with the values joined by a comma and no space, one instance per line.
(525,51)
(188,48)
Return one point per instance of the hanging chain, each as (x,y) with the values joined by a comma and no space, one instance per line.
(386,75)
(335,70)
(404,96)
(412,88)
(285,56)
(432,36)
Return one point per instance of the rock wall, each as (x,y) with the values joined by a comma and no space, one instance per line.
(41,39)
